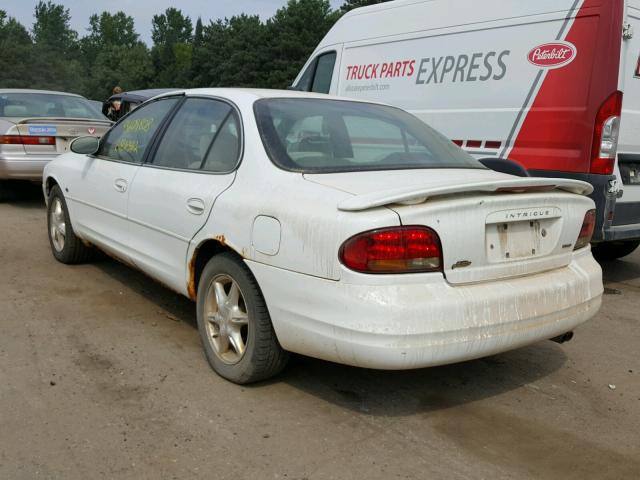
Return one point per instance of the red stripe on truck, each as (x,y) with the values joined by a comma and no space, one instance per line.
(557,132)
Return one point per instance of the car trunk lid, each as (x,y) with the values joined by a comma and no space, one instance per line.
(63,130)
(491,226)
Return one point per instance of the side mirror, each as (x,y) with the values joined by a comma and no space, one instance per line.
(85,145)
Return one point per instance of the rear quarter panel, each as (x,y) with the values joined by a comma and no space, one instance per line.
(311,227)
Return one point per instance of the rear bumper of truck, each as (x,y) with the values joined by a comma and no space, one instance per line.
(611,225)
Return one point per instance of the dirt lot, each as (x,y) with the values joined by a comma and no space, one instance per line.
(102,376)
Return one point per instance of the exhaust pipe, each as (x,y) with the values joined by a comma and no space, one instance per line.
(565,337)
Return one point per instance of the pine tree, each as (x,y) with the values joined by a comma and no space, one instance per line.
(351,4)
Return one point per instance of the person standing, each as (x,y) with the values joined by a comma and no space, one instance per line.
(111,108)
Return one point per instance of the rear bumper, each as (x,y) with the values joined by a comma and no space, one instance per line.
(23,167)
(403,326)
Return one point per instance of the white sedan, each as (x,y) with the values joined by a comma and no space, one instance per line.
(338,229)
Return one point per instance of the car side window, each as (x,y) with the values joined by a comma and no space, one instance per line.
(129,139)
(324,73)
(225,150)
(203,134)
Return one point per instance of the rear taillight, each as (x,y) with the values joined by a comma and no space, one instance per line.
(26,140)
(586,232)
(605,135)
(393,250)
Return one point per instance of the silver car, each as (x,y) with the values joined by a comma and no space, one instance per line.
(36,126)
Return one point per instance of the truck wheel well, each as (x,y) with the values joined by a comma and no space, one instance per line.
(204,252)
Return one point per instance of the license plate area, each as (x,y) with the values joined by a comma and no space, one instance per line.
(62,144)
(521,239)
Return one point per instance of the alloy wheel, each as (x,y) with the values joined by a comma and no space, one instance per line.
(227,320)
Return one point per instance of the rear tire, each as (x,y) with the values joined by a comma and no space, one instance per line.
(608,251)
(234,323)
(65,246)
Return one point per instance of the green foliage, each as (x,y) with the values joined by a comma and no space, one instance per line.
(55,56)
(241,51)
(294,32)
(172,48)
(232,53)
(351,4)
(128,67)
(111,29)
(15,52)
(198,35)
(112,55)
(52,28)
(171,27)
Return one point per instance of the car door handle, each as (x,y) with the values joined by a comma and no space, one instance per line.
(120,185)
(195,206)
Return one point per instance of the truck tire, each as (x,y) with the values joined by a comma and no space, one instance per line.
(234,323)
(608,251)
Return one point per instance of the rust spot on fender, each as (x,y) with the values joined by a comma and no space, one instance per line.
(192,288)
(191,285)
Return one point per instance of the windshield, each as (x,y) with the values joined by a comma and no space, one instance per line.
(25,105)
(316,135)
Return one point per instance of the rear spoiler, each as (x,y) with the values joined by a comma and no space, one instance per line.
(414,194)
(63,120)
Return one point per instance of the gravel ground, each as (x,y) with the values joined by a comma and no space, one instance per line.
(102,376)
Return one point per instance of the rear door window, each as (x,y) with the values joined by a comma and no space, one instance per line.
(129,139)
(203,135)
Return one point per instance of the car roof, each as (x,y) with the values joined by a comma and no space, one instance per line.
(142,94)
(249,94)
(30,90)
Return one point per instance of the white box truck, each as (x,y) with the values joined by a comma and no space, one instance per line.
(553,85)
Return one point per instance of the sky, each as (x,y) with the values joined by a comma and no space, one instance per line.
(143,10)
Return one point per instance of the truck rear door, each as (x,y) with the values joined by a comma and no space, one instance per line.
(627,211)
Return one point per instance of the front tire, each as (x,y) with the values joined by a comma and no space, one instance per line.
(234,323)
(65,246)
(608,251)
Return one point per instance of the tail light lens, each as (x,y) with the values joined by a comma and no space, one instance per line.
(605,135)
(26,140)
(586,232)
(393,250)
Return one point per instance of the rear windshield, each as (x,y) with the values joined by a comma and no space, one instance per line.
(24,105)
(321,136)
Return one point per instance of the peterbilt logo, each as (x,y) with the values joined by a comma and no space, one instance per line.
(552,55)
